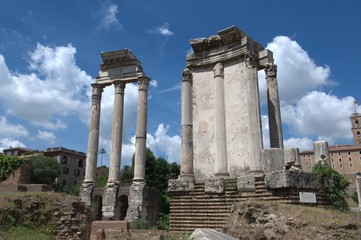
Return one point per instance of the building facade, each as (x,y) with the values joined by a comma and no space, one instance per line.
(71,163)
(346,159)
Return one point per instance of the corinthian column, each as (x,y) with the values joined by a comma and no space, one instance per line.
(274,110)
(117,131)
(141,132)
(187,126)
(220,122)
(93,142)
(254,120)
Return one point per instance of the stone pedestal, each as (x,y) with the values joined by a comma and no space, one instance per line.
(273,159)
(137,208)
(321,152)
(109,201)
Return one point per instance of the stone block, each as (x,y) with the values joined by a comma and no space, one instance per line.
(292,159)
(214,186)
(181,185)
(273,159)
(209,234)
(246,184)
(292,179)
(107,227)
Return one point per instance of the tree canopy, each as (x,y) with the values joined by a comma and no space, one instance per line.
(44,169)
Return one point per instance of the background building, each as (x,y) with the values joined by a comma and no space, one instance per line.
(71,163)
(346,159)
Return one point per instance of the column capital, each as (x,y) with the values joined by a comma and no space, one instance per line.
(143,83)
(187,75)
(119,87)
(97,90)
(218,70)
(250,59)
(271,70)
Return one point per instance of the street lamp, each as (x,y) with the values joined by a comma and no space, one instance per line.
(101,152)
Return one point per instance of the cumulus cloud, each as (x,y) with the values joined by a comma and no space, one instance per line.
(163,30)
(11,129)
(56,87)
(10,142)
(46,136)
(302,143)
(297,72)
(108,16)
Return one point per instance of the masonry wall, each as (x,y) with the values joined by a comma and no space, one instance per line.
(235,89)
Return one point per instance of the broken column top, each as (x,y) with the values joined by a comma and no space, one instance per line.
(119,65)
(229,43)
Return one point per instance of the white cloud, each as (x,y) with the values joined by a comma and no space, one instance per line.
(162,30)
(55,87)
(319,114)
(297,72)
(12,130)
(303,143)
(108,16)
(9,142)
(46,136)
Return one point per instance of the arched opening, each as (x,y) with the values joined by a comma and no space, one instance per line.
(123,206)
(97,207)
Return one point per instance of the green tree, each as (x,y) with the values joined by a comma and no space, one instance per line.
(8,164)
(44,169)
(335,185)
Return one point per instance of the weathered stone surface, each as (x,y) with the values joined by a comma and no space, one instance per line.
(86,192)
(292,158)
(321,152)
(109,201)
(246,184)
(273,159)
(180,185)
(296,179)
(209,234)
(214,186)
(358,187)
(107,229)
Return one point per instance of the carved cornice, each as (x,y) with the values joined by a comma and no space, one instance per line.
(218,70)
(271,71)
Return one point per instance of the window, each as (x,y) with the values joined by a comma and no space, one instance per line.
(331,154)
(339,153)
(65,171)
(64,182)
(349,153)
(80,163)
(309,167)
(76,172)
(340,160)
(331,159)
(349,159)
(340,165)
(333,165)
(64,160)
(351,165)
(75,182)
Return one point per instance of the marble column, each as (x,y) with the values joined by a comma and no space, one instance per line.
(141,131)
(117,132)
(221,169)
(93,144)
(255,144)
(358,188)
(274,110)
(187,126)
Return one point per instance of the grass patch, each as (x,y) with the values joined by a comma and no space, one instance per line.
(22,233)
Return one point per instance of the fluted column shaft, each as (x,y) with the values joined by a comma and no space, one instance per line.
(187,125)
(220,122)
(141,132)
(253,112)
(117,132)
(274,110)
(93,134)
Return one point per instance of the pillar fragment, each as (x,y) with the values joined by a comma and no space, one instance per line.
(187,126)
(358,186)
(93,145)
(221,169)
(255,145)
(321,152)
(274,110)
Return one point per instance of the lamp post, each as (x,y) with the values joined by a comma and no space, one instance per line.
(101,152)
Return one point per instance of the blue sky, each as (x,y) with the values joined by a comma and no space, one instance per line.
(50,54)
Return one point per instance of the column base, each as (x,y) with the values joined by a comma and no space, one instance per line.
(86,192)
(186,176)
(110,201)
(136,208)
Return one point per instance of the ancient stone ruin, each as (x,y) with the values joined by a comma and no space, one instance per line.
(120,68)
(223,160)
